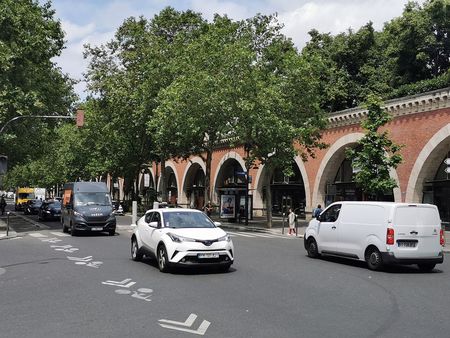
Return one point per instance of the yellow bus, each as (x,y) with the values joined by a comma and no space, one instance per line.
(23,195)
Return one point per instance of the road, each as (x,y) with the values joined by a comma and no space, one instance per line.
(55,285)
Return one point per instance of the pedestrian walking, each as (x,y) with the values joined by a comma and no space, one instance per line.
(317,211)
(208,209)
(2,204)
(291,220)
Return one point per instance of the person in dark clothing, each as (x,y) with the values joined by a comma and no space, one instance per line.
(2,204)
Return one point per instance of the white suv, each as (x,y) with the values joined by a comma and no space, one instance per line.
(181,237)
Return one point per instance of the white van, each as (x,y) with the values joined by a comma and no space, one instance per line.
(378,233)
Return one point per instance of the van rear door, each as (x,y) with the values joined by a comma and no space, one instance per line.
(417,229)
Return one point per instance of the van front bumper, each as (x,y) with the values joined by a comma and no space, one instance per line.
(389,258)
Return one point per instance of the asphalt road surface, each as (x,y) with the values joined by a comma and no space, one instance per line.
(55,285)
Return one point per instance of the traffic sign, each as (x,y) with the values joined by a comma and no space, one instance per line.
(447,161)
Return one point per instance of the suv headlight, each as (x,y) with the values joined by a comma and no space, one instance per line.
(179,239)
(79,214)
(225,238)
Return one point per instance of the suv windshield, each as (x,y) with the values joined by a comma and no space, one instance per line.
(186,219)
(92,198)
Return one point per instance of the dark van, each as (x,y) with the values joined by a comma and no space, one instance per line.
(86,206)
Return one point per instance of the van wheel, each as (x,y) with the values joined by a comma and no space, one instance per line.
(426,267)
(373,259)
(312,249)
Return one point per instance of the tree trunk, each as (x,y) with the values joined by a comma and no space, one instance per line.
(163,180)
(269,200)
(208,177)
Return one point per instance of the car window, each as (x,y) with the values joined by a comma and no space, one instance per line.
(148,217)
(186,219)
(331,214)
(156,218)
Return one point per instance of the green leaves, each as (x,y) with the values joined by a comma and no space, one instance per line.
(375,154)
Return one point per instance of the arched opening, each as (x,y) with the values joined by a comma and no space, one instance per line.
(230,187)
(194,187)
(437,190)
(172,187)
(287,191)
(147,191)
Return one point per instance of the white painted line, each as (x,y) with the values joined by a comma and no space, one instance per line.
(243,234)
(16,238)
(267,235)
(2,235)
(60,234)
(37,235)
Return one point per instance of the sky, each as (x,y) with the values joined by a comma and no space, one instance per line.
(96,21)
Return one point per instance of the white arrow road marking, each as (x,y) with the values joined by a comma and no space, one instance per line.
(200,331)
(189,321)
(122,284)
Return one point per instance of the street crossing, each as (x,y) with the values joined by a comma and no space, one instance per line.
(260,235)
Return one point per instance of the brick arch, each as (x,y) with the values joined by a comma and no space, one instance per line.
(231,155)
(427,163)
(332,159)
(172,165)
(262,177)
(194,162)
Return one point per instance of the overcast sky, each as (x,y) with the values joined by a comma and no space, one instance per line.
(95,21)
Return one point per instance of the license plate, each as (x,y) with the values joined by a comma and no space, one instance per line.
(97,229)
(208,255)
(407,244)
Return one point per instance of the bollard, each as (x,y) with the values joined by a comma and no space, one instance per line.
(7,224)
(134,213)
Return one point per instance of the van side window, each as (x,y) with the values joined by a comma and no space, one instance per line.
(157,218)
(148,217)
(331,214)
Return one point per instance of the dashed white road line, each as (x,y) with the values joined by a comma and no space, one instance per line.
(60,234)
(37,235)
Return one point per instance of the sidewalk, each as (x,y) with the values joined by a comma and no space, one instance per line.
(259,224)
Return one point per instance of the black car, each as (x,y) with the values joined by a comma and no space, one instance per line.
(32,207)
(50,210)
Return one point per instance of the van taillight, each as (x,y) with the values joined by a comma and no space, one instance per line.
(390,236)
(442,237)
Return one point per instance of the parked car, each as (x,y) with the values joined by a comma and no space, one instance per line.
(181,237)
(378,233)
(32,207)
(117,208)
(50,210)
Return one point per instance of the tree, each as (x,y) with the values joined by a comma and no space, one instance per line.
(375,154)
(127,75)
(417,44)
(278,112)
(30,82)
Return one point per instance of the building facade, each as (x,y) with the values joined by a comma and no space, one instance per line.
(421,123)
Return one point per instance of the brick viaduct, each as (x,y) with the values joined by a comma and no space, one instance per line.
(420,122)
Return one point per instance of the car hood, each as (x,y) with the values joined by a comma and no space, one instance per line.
(198,233)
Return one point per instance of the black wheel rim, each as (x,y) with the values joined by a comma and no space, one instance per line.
(162,258)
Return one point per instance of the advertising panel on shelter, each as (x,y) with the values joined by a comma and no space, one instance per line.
(227,206)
